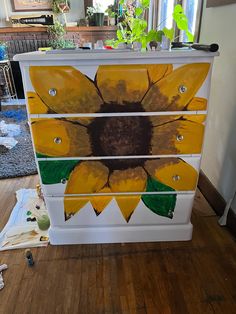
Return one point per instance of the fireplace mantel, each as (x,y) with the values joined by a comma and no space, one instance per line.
(7,30)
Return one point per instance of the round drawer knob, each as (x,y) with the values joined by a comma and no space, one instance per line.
(182,89)
(179,138)
(52,92)
(57,140)
(176,178)
(63,180)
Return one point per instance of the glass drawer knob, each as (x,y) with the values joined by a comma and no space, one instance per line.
(63,181)
(52,92)
(179,137)
(182,89)
(57,140)
(176,177)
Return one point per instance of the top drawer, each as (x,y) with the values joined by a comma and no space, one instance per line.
(117,88)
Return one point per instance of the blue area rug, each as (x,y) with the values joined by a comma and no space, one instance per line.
(17,115)
(18,161)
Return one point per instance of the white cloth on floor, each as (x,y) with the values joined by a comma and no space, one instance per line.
(2,267)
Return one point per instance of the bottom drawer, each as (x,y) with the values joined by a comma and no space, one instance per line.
(117,210)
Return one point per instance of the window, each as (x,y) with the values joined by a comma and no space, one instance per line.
(192,10)
(103,4)
(165,14)
(160,15)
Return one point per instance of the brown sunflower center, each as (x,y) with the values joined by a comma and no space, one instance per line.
(121,136)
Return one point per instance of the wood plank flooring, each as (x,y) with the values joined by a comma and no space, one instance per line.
(198,276)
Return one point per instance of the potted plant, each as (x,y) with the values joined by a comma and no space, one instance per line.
(95,15)
(57,30)
(111,12)
(132,26)
(60,6)
(56,35)
(89,16)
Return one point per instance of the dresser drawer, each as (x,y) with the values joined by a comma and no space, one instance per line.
(114,88)
(120,210)
(110,176)
(118,135)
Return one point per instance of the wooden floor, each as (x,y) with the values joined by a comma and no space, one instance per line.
(144,278)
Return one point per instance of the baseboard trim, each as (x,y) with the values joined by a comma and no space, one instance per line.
(120,234)
(216,201)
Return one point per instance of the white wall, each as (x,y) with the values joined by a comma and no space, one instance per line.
(219,157)
(76,12)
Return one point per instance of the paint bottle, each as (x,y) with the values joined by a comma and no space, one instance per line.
(29,257)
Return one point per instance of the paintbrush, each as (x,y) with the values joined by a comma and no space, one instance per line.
(211,47)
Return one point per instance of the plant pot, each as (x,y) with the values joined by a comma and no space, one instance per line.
(91,21)
(165,44)
(136,46)
(98,19)
(111,21)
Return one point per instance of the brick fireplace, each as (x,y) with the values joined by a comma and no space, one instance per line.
(26,39)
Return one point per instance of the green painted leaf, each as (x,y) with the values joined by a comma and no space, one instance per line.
(160,204)
(154,185)
(38,155)
(55,170)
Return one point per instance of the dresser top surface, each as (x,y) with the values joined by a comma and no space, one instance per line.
(111,55)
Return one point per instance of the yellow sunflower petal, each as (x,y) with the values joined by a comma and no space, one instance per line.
(35,104)
(87,177)
(127,204)
(158,71)
(122,83)
(83,120)
(73,204)
(99,203)
(177,137)
(199,118)
(173,172)
(60,138)
(197,103)
(175,90)
(159,120)
(74,92)
(128,180)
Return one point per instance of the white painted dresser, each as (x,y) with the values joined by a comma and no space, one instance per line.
(118,139)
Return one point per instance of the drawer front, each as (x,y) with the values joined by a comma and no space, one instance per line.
(137,135)
(120,210)
(110,176)
(115,88)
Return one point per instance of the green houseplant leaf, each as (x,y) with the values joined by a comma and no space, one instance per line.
(138,11)
(155,35)
(145,3)
(180,18)
(182,21)
(190,36)
(169,33)
(160,204)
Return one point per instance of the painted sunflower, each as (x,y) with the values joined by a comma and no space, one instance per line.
(120,89)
